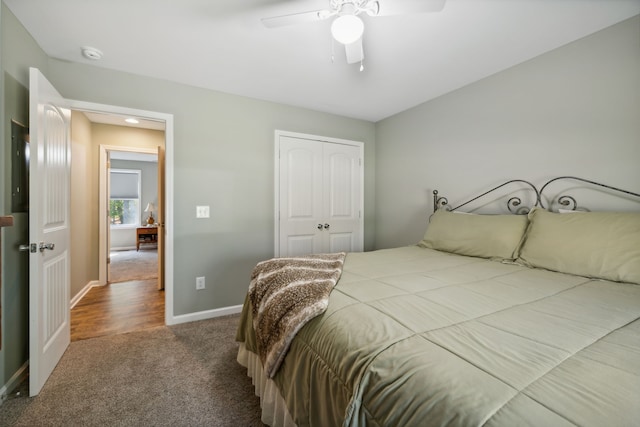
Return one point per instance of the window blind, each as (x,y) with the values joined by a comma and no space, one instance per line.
(125,185)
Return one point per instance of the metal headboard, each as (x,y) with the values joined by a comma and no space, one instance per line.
(514,204)
(569,201)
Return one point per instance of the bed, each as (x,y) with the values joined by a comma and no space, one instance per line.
(497,320)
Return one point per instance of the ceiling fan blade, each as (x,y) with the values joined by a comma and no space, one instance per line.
(403,7)
(354,51)
(295,18)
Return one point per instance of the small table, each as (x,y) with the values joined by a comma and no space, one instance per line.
(146,235)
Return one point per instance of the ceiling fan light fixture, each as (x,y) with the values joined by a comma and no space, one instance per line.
(347,29)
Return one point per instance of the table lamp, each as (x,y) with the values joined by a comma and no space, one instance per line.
(150,208)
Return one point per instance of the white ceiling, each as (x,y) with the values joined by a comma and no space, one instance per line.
(222,45)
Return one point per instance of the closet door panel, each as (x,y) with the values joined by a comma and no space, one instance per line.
(342,187)
(300,196)
(319,196)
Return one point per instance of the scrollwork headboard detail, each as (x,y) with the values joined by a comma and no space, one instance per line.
(569,202)
(515,206)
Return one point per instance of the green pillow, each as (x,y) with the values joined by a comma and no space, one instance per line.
(603,245)
(485,236)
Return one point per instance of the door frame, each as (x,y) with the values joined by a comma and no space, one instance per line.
(169,187)
(276,178)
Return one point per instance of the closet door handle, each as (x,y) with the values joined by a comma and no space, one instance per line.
(326,226)
(319,226)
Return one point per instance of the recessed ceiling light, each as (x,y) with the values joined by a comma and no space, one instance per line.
(91,53)
(132,121)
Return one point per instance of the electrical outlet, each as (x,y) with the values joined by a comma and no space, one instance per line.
(199,283)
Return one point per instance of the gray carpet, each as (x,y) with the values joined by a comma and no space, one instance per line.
(133,265)
(183,375)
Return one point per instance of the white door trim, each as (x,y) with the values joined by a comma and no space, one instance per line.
(276,178)
(169,185)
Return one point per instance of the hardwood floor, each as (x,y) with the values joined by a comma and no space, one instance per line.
(117,308)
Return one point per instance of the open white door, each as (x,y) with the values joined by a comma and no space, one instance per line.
(49,263)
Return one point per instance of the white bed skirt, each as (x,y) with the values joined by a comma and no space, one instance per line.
(274,409)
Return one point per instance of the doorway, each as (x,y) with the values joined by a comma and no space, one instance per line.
(49,124)
(132,216)
(131,200)
(127,296)
(167,192)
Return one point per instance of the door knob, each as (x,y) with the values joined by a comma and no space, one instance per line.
(32,247)
(319,226)
(44,246)
(27,248)
(326,226)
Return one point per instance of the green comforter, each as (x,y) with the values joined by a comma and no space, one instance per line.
(417,337)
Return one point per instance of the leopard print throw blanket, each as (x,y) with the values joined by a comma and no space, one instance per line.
(286,293)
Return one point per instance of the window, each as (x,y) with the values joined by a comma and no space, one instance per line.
(124,200)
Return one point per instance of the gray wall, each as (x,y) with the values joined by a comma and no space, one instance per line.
(223,158)
(572,111)
(17,52)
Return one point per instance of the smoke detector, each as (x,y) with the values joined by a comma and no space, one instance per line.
(91,53)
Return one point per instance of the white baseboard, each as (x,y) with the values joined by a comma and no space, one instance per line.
(207,314)
(76,299)
(14,381)
(182,318)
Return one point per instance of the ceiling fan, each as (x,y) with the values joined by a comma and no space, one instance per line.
(347,28)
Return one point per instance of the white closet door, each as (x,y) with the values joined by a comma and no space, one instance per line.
(300,203)
(341,201)
(320,197)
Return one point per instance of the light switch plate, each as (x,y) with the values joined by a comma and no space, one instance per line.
(202,211)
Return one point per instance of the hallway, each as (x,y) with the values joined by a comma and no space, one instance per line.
(118,308)
(129,302)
